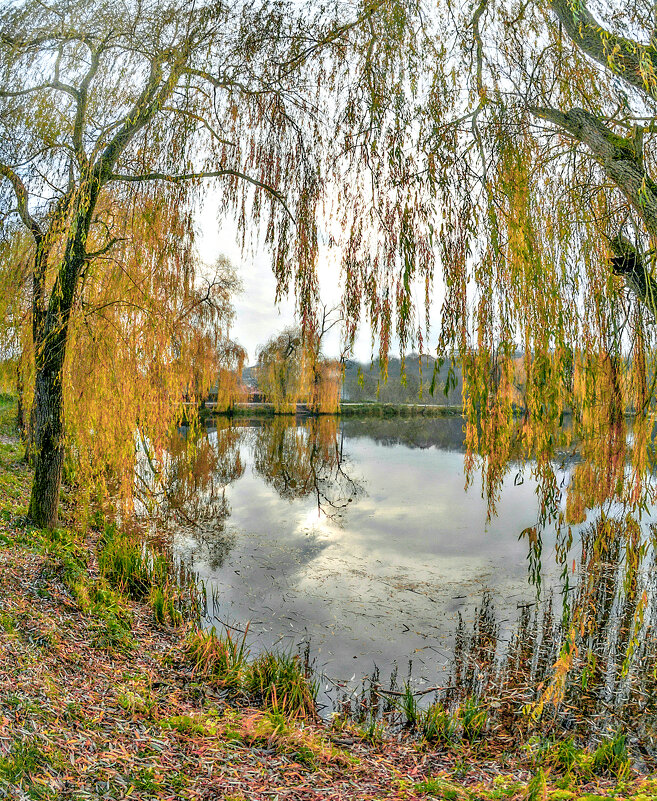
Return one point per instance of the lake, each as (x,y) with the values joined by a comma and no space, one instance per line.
(358,541)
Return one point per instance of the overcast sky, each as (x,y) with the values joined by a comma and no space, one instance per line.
(258,317)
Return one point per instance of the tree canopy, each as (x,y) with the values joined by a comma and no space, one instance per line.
(105,107)
(542,167)
(500,152)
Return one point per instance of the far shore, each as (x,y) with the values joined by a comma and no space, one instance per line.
(346,409)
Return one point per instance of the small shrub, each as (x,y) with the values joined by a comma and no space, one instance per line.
(280,681)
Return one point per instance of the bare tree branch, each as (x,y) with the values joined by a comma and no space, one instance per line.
(147,105)
(616,155)
(189,176)
(21,197)
(62,87)
(622,161)
(82,98)
(105,249)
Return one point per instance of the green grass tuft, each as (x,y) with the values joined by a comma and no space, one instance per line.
(112,629)
(163,601)
(141,574)
(219,657)
(129,566)
(441,788)
(24,759)
(409,708)
(437,725)
(473,718)
(611,757)
(24,766)
(281,683)
(537,787)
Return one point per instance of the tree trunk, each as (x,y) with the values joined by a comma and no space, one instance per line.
(48,435)
(20,408)
(47,421)
(50,354)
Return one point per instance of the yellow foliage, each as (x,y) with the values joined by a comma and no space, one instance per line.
(148,337)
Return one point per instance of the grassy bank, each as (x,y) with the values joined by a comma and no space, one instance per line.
(109,690)
(397,410)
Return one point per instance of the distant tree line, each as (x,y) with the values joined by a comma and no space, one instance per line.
(418,379)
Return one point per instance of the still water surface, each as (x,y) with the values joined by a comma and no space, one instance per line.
(360,538)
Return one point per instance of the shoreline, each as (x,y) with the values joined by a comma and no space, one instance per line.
(100,700)
(345,410)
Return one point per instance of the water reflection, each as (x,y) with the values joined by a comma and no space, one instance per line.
(584,657)
(445,433)
(200,470)
(375,541)
(358,536)
(308,460)
(184,490)
(544,412)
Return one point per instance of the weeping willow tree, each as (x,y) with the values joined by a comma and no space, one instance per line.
(101,100)
(149,333)
(501,150)
(537,135)
(326,374)
(283,370)
(291,369)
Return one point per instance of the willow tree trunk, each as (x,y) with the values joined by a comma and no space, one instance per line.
(50,354)
(48,437)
